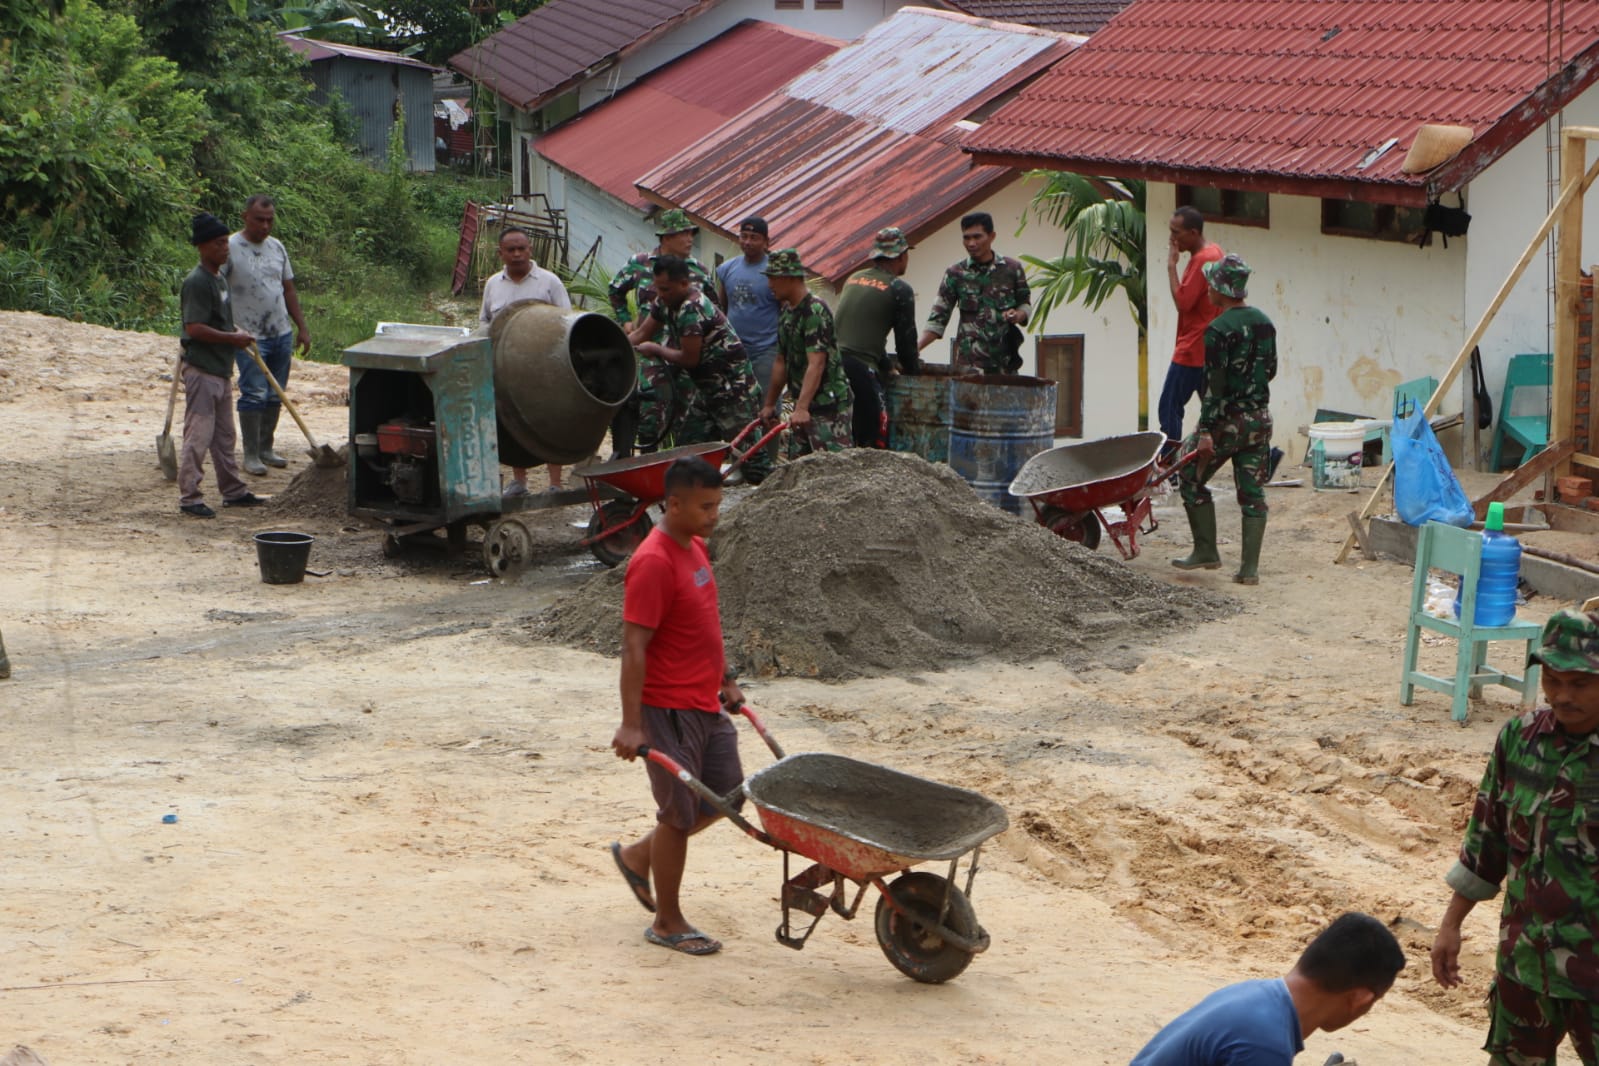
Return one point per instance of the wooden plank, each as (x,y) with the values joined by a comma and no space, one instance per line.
(463,251)
(1525,475)
(1567,194)
(1568,300)
(1357,527)
(1586,460)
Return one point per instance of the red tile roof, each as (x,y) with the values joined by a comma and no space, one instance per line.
(668,110)
(546,52)
(867,138)
(1062,16)
(1294,95)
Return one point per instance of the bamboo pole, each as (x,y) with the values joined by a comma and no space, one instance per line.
(1568,293)
(1567,194)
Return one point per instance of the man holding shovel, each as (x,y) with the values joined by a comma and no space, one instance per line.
(261,289)
(210,342)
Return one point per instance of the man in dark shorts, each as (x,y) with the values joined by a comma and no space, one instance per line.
(673,671)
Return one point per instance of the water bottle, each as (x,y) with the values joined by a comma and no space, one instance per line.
(1501,572)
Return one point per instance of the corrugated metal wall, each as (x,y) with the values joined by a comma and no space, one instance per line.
(370,90)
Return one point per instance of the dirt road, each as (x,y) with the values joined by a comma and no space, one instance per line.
(393,805)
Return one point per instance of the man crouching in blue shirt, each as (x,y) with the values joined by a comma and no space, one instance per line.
(1341,976)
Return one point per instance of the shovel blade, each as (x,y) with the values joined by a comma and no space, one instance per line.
(167,454)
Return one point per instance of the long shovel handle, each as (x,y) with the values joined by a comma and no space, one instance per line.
(255,353)
(172,394)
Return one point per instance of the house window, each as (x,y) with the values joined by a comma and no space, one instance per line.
(1233,206)
(1060,359)
(1380,222)
(791,5)
(830,5)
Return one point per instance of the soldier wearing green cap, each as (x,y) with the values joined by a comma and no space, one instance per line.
(873,303)
(1534,830)
(808,363)
(643,416)
(1234,420)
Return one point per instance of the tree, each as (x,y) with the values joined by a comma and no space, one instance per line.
(1104,253)
(435,30)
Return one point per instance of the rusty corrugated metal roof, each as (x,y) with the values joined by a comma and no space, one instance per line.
(315,50)
(864,139)
(1062,16)
(668,110)
(1294,96)
(546,52)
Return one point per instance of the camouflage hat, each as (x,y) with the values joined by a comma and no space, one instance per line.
(1229,276)
(1570,641)
(674,220)
(784,263)
(889,243)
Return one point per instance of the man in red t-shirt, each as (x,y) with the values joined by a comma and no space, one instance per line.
(1186,375)
(673,671)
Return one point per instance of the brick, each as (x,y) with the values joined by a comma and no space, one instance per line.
(1572,488)
(1592,503)
(1537,495)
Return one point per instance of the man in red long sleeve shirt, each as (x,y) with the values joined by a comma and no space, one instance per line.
(1186,375)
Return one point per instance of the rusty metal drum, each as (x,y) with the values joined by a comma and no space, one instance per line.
(997,423)
(559,376)
(918,412)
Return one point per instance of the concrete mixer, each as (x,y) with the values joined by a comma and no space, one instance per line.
(435,410)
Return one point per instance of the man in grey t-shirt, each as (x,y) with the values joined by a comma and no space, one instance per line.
(265,302)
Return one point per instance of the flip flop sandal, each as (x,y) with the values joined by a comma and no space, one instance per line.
(680,941)
(638,883)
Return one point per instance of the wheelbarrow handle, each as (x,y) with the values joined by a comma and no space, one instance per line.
(760,727)
(767,438)
(722,804)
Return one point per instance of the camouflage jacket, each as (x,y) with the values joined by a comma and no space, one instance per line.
(805,328)
(1240,361)
(982,292)
(1535,828)
(638,277)
(723,362)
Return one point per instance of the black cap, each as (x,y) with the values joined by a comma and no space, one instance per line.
(206,227)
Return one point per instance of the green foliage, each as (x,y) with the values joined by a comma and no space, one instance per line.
(1103,219)
(435,30)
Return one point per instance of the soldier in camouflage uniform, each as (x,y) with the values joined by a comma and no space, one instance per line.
(699,341)
(992,296)
(1535,830)
(807,362)
(642,415)
(1234,420)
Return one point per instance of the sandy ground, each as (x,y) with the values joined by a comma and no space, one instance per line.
(393,805)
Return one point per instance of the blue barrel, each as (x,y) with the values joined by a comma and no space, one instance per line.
(918,412)
(997,423)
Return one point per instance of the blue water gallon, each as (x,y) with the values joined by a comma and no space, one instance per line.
(1501,572)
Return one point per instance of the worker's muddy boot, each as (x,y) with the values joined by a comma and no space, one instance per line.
(1249,565)
(269,430)
(1202,524)
(250,440)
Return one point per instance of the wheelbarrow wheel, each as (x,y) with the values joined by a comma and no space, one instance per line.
(1084,529)
(616,547)
(911,945)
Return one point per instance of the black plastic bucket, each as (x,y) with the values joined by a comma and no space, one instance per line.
(283,556)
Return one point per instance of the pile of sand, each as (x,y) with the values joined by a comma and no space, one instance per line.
(869,562)
(316,493)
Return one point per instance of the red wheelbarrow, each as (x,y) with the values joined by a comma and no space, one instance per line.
(1070,487)
(858,823)
(618,527)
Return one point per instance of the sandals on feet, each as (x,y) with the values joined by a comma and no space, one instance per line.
(692,942)
(637,882)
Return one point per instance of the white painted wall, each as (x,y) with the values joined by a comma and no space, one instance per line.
(1354,317)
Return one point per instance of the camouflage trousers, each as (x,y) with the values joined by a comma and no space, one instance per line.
(664,395)
(828,432)
(1245,439)
(1526,1027)
(721,412)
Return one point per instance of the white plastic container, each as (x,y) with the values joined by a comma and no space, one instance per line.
(1335,455)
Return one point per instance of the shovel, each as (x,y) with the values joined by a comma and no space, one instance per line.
(165,451)
(321,454)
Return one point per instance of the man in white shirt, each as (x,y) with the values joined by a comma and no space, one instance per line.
(261,287)
(522,279)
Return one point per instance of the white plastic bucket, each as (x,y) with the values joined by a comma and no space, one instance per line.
(1335,455)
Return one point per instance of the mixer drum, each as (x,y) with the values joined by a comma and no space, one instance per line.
(559,376)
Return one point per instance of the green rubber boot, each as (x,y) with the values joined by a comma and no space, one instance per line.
(1249,563)
(250,439)
(1202,523)
(269,432)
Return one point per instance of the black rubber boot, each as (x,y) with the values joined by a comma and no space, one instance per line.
(250,440)
(1249,562)
(624,432)
(269,429)
(1202,524)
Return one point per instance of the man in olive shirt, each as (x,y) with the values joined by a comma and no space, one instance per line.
(875,302)
(209,343)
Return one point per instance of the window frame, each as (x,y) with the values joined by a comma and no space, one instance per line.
(1386,227)
(1230,200)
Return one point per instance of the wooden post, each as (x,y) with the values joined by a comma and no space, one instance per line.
(1568,298)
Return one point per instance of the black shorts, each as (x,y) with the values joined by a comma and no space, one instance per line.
(704,744)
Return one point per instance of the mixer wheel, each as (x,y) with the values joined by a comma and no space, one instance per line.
(507,548)
(1084,528)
